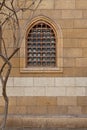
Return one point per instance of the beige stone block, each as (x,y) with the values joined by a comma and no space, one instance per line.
(84,52)
(64,82)
(60,91)
(79,43)
(22,52)
(38,12)
(82,23)
(15,91)
(12,110)
(56,110)
(82,101)
(74,110)
(44,82)
(80,72)
(41,101)
(17,110)
(15,72)
(85,13)
(68,42)
(67,101)
(81,4)
(45,4)
(72,52)
(80,91)
(12,101)
(34,91)
(39,91)
(85,91)
(69,62)
(81,81)
(1,109)
(37,110)
(23,82)
(26,101)
(26,14)
(10,82)
(75,33)
(46,101)
(21,110)
(70,91)
(28,91)
(69,72)
(21,3)
(82,42)
(2,103)
(71,14)
(65,23)
(75,91)
(7,33)
(84,109)
(15,62)
(81,62)
(65,4)
(54,14)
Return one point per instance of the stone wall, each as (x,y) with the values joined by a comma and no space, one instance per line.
(26,89)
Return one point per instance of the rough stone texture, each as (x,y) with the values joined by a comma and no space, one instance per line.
(45,5)
(70,16)
(42,105)
(46,122)
(81,4)
(27,128)
(68,4)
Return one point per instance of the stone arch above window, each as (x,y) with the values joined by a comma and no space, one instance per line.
(43,47)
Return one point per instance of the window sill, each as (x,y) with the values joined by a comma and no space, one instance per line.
(41,70)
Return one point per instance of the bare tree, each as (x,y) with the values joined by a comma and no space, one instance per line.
(9,15)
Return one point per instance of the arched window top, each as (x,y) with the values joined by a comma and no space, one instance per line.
(41,45)
(44,20)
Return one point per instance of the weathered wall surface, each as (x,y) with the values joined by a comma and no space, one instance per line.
(71,16)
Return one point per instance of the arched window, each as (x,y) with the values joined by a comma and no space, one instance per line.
(41,46)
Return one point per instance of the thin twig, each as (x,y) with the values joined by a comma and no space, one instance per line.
(2,4)
(4,47)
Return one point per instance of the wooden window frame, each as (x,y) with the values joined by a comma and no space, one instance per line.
(59,48)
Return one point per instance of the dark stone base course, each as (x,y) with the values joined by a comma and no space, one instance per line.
(46,123)
(45,128)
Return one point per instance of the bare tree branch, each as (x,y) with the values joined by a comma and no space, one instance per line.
(4,48)
(2,4)
(4,90)
(10,15)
